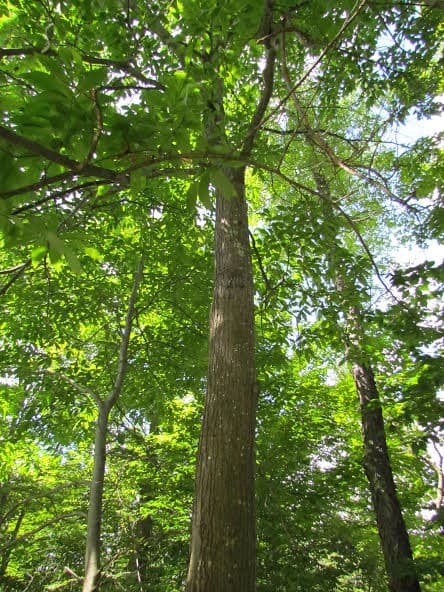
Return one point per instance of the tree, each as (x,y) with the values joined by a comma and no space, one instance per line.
(115,113)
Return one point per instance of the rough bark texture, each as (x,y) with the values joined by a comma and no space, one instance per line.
(392,530)
(223,537)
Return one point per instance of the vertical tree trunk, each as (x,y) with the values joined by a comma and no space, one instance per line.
(395,542)
(223,541)
(223,537)
(94,520)
(104,406)
(392,530)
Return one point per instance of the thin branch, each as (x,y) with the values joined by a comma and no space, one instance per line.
(42,526)
(351,141)
(18,274)
(259,262)
(83,390)
(316,138)
(123,353)
(366,249)
(44,182)
(9,52)
(55,196)
(11,269)
(439,470)
(122,65)
(98,127)
(39,495)
(354,13)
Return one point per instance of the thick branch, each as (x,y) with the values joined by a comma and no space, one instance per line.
(84,168)
(268,82)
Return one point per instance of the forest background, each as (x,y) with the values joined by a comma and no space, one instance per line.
(133,137)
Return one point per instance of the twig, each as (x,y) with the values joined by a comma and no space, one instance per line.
(84,390)
(366,249)
(316,138)
(44,182)
(98,128)
(18,274)
(259,262)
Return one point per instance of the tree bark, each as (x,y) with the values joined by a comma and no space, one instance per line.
(223,541)
(223,528)
(392,530)
(395,542)
(94,520)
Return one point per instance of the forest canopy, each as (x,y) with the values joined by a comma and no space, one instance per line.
(216,372)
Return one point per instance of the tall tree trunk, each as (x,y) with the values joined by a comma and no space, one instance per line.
(223,529)
(94,520)
(395,542)
(223,541)
(393,534)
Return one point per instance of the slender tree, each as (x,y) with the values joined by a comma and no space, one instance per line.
(395,542)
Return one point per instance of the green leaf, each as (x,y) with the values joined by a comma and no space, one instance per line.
(58,248)
(46,81)
(72,260)
(92,79)
(93,253)
(192,193)
(222,182)
(137,182)
(204,190)
(38,253)
(70,55)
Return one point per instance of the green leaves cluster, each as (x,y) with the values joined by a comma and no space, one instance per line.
(104,157)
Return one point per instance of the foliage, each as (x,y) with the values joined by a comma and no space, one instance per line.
(104,157)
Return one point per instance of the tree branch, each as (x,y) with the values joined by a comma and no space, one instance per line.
(42,526)
(79,387)
(77,167)
(259,262)
(123,353)
(366,249)
(268,76)
(44,182)
(18,274)
(316,139)
(98,127)
(354,13)
(122,65)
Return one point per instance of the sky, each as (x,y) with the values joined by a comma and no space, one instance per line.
(408,133)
